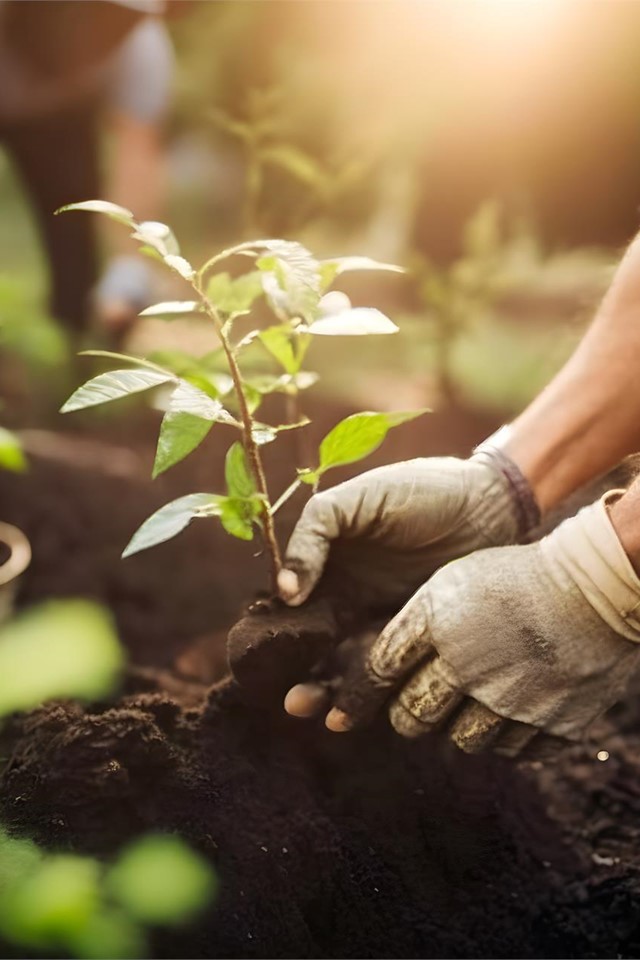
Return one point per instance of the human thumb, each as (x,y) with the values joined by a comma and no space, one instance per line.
(308,550)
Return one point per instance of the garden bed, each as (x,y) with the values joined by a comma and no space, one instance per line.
(362,845)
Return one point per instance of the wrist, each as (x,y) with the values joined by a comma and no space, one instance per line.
(589,550)
(520,492)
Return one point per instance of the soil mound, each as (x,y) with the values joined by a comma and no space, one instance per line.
(355,846)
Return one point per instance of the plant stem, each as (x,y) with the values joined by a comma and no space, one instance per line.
(282,499)
(249,443)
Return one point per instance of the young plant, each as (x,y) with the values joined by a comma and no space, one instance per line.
(296,287)
(262,133)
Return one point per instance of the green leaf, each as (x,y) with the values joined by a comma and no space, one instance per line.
(11,454)
(330,269)
(152,254)
(18,858)
(237,517)
(235,297)
(307,475)
(59,897)
(348,264)
(198,371)
(64,648)
(160,880)
(114,385)
(137,361)
(180,434)
(111,934)
(297,163)
(277,341)
(158,236)
(240,482)
(172,519)
(181,266)
(172,308)
(286,383)
(264,433)
(188,398)
(291,279)
(358,322)
(356,437)
(230,125)
(188,420)
(112,210)
(287,345)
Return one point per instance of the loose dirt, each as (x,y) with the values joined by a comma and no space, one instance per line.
(360,845)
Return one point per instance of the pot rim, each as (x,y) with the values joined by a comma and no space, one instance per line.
(20,556)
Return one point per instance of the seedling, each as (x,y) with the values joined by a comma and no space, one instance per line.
(296,288)
(266,147)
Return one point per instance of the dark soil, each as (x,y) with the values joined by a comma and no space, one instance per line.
(360,845)
(354,846)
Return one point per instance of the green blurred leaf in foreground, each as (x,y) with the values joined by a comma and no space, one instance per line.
(51,902)
(159,880)
(72,905)
(11,453)
(64,648)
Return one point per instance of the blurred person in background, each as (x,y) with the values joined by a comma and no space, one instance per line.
(67,71)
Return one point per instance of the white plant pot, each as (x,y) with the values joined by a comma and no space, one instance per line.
(15,556)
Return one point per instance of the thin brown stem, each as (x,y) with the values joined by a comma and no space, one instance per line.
(251,447)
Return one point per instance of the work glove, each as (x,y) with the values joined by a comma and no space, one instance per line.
(544,637)
(390,529)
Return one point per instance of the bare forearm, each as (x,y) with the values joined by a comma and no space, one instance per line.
(138,174)
(588,418)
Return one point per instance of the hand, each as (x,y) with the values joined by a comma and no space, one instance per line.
(389,529)
(544,637)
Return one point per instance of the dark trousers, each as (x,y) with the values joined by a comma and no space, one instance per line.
(57,159)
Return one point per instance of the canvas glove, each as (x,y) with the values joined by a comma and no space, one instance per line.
(389,529)
(545,637)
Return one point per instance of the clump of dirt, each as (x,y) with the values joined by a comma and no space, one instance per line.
(361,845)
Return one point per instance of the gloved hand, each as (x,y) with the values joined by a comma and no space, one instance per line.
(389,529)
(545,637)
(126,287)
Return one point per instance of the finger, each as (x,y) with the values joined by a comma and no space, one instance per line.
(405,641)
(306,699)
(308,548)
(513,738)
(431,694)
(369,680)
(475,728)
(404,723)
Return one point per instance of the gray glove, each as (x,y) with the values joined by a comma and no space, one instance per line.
(545,637)
(389,529)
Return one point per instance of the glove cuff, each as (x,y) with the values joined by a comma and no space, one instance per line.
(524,501)
(588,548)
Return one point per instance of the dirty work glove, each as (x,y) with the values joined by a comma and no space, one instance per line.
(125,288)
(389,529)
(545,637)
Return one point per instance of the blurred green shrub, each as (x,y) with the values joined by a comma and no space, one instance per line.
(64,648)
(63,903)
(76,906)
(25,329)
